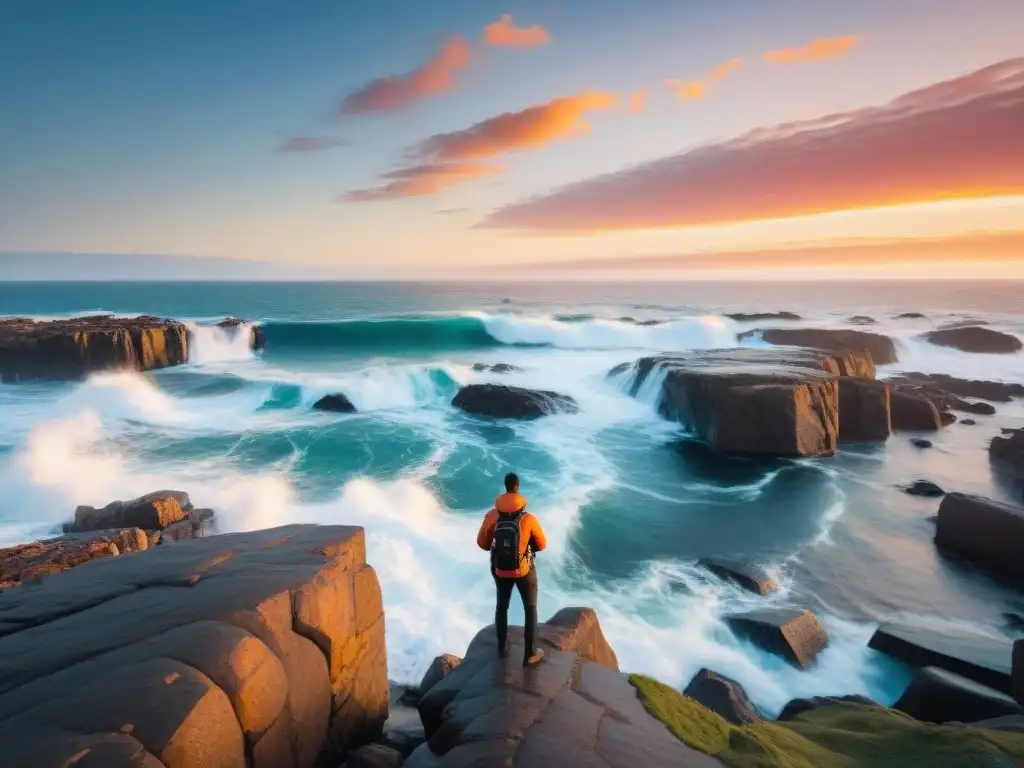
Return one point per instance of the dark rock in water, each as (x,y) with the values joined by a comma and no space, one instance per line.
(1014,621)
(994,391)
(914,413)
(938,696)
(71,349)
(911,316)
(32,561)
(975,339)
(1007,451)
(749,577)
(1018,671)
(968,422)
(257,340)
(338,403)
(861,320)
(864,410)
(946,418)
(723,696)
(933,519)
(440,668)
(936,391)
(748,317)
(263,648)
(501,402)
(882,348)
(496,368)
(152,512)
(618,370)
(982,409)
(924,488)
(797,707)
(921,442)
(988,533)
(374,756)
(793,633)
(977,657)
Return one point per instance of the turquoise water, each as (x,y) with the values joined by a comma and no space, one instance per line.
(629,503)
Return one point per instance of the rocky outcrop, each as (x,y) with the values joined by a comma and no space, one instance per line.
(29,562)
(570,710)
(924,488)
(723,696)
(792,633)
(913,413)
(797,707)
(882,348)
(496,368)
(71,349)
(939,696)
(261,649)
(169,513)
(754,317)
(257,339)
(501,402)
(1006,452)
(338,403)
(977,657)
(864,410)
(940,383)
(750,577)
(940,390)
(439,669)
(988,533)
(975,339)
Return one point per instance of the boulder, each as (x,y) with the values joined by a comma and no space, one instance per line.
(920,442)
(32,561)
(440,668)
(938,696)
(797,707)
(496,368)
(861,320)
(975,339)
(924,488)
(935,389)
(337,403)
(968,422)
(793,633)
(751,317)
(501,402)
(749,577)
(257,339)
(978,657)
(723,696)
(71,349)
(1006,451)
(197,523)
(911,316)
(152,512)
(375,756)
(994,391)
(864,410)
(988,533)
(946,418)
(914,413)
(259,649)
(882,348)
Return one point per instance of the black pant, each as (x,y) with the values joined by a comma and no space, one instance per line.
(527,586)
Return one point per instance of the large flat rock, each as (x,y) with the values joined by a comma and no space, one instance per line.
(881,347)
(69,349)
(988,533)
(31,561)
(262,649)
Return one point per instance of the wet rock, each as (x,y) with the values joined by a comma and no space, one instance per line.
(797,707)
(911,316)
(618,370)
(440,668)
(924,488)
(30,562)
(914,413)
(337,403)
(978,657)
(375,756)
(968,422)
(946,418)
(921,442)
(71,349)
(975,339)
(943,399)
(257,340)
(152,512)
(749,577)
(882,348)
(861,320)
(750,317)
(988,533)
(501,402)
(259,649)
(864,410)
(1007,452)
(496,368)
(792,633)
(994,391)
(1018,671)
(403,730)
(938,696)
(723,696)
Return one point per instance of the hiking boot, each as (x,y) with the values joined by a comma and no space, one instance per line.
(534,660)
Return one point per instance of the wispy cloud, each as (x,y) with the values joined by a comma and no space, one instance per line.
(423,180)
(451,211)
(638,101)
(396,91)
(685,90)
(958,138)
(818,50)
(724,70)
(504,32)
(310,143)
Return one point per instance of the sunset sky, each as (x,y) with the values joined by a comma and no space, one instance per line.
(411,138)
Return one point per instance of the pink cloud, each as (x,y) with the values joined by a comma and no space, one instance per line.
(822,49)
(504,32)
(310,144)
(424,180)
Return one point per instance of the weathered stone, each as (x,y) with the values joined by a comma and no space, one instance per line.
(975,339)
(29,562)
(977,657)
(257,339)
(749,577)
(864,410)
(151,512)
(440,668)
(501,402)
(938,696)
(70,349)
(337,402)
(914,413)
(724,696)
(374,756)
(797,707)
(924,488)
(793,633)
(988,533)
(197,523)
(882,348)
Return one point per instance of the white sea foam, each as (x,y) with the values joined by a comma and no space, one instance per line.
(214,344)
(704,332)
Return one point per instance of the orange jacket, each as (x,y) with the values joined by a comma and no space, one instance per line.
(530,532)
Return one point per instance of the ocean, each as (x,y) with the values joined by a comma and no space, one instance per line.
(628,500)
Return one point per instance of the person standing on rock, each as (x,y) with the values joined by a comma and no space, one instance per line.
(512,536)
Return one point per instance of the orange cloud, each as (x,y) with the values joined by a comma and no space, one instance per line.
(396,91)
(819,50)
(686,90)
(505,33)
(638,101)
(957,139)
(726,69)
(421,181)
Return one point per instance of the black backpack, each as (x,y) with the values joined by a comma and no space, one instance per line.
(505,554)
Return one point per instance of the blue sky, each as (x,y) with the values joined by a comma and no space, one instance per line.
(151,127)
